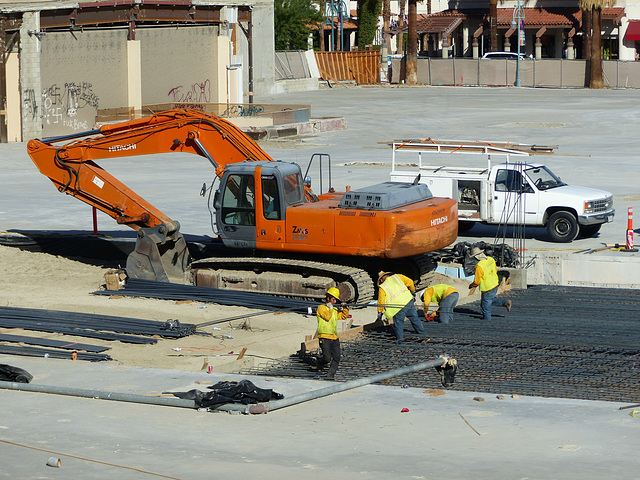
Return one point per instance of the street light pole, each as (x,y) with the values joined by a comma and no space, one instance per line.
(518,17)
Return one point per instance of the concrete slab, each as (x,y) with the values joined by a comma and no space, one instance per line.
(360,433)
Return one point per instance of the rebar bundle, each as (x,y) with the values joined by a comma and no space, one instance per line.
(91,325)
(174,291)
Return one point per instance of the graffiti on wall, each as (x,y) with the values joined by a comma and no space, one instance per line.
(238,110)
(30,107)
(199,92)
(62,105)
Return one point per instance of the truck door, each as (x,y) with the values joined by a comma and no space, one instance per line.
(513,199)
(235,213)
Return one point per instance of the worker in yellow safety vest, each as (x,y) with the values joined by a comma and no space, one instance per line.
(487,279)
(396,302)
(445,296)
(328,316)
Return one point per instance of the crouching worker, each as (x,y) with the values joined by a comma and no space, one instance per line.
(445,296)
(328,316)
(395,301)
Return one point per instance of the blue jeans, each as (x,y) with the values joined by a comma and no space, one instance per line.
(488,299)
(409,311)
(447,304)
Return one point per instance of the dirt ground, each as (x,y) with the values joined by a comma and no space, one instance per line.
(38,280)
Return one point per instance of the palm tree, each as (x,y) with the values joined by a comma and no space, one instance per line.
(595,62)
(412,44)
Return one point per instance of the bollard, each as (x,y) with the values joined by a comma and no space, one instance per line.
(630,230)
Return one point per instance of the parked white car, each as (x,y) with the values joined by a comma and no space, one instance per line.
(503,55)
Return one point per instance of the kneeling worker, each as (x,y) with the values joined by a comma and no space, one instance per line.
(395,301)
(328,316)
(445,296)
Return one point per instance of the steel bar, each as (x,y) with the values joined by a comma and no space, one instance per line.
(47,342)
(10,315)
(173,291)
(99,395)
(330,390)
(51,353)
(78,332)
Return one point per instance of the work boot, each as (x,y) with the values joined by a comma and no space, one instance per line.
(508,305)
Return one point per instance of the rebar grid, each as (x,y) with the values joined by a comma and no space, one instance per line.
(564,342)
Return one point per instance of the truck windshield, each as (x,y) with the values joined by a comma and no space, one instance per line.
(543,178)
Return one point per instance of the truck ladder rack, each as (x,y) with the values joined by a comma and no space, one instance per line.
(471,147)
(474,147)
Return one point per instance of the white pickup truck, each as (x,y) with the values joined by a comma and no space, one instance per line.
(507,193)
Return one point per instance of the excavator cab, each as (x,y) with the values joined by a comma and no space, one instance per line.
(253,199)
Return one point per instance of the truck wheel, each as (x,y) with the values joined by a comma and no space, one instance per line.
(562,227)
(587,231)
(464,226)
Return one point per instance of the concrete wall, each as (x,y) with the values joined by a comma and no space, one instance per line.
(81,73)
(14,121)
(30,84)
(263,44)
(616,270)
(547,72)
(180,64)
(66,77)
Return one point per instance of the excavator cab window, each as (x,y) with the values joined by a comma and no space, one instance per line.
(293,188)
(270,197)
(238,202)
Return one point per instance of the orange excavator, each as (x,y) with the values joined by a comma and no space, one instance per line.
(277,237)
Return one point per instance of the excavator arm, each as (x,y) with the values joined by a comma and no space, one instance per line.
(72,169)
(161,251)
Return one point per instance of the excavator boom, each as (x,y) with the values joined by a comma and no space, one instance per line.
(161,251)
(72,169)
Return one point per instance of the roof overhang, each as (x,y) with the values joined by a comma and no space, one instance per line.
(55,14)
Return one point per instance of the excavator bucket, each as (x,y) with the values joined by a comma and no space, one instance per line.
(161,254)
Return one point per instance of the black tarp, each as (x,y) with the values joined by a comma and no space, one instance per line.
(14,374)
(243,392)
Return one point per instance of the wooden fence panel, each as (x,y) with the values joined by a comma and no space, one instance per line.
(360,67)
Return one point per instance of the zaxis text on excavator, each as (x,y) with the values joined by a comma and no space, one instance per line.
(279,237)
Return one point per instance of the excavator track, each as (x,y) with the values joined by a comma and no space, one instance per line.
(425,264)
(302,279)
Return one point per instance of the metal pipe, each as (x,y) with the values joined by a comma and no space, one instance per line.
(335,388)
(100,395)
(204,152)
(71,136)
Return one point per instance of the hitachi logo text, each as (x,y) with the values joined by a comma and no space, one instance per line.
(122,148)
(438,221)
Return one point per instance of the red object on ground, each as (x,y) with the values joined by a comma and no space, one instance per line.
(404,410)
(630,230)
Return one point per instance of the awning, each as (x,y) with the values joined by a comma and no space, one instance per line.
(444,24)
(633,32)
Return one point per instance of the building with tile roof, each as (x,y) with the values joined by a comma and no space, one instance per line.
(551,28)
(65,60)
